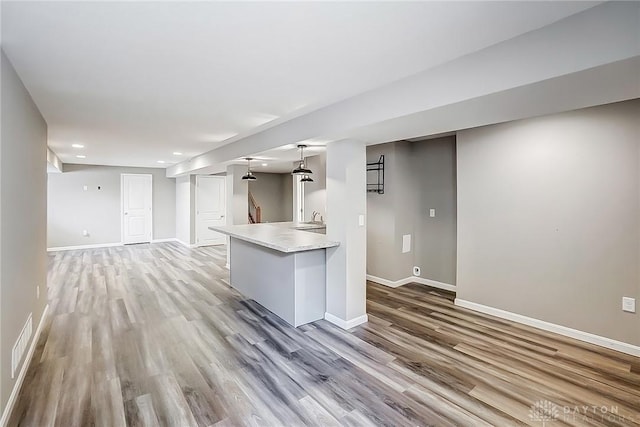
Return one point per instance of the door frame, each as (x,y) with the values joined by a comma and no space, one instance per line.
(197,209)
(122,175)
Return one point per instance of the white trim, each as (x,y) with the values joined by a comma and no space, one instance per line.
(202,245)
(412,279)
(434,284)
(73,248)
(185,244)
(387,282)
(226,266)
(23,371)
(170,239)
(552,327)
(346,324)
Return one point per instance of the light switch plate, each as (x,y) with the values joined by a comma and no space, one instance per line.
(629,304)
(432,213)
(406,243)
(361,220)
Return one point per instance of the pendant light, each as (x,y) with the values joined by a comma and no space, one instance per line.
(249,175)
(302,168)
(306,178)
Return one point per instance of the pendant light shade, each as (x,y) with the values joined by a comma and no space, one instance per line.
(306,178)
(302,168)
(249,176)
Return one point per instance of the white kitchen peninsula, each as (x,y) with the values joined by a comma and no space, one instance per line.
(280,266)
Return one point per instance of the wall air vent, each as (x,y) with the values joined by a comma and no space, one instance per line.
(21,345)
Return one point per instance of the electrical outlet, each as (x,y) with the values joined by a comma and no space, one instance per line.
(85,233)
(629,304)
(416,271)
(432,213)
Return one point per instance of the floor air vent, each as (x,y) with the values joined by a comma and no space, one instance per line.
(21,345)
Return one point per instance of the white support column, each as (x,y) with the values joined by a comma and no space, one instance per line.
(346,208)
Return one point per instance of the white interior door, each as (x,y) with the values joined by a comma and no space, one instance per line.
(210,209)
(137,222)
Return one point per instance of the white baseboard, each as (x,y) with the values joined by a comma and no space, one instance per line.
(412,279)
(170,239)
(346,324)
(187,245)
(73,248)
(107,245)
(552,327)
(23,371)
(387,282)
(202,245)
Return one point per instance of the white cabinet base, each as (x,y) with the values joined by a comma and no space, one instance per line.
(291,285)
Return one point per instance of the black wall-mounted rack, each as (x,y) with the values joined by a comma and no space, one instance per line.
(375,176)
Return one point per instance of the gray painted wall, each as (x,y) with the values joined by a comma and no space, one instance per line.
(272,192)
(418,176)
(237,199)
(71,209)
(346,201)
(287,191)
(185,209)
(381,219)
(549,218)
(315,193)
(23,209)
(434,166)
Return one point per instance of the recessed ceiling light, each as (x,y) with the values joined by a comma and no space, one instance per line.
(77,145)
(81,156)
(160,161)
(264,164)
(177,153)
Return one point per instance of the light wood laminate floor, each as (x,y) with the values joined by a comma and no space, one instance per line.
(152,335)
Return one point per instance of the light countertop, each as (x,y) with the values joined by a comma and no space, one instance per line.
(281,236)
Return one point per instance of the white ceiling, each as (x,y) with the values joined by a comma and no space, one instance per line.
(134,82)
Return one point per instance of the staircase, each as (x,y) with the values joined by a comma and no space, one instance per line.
(255,213)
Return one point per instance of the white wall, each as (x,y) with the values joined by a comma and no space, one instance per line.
(549,218)
(23,209)
(72,210)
